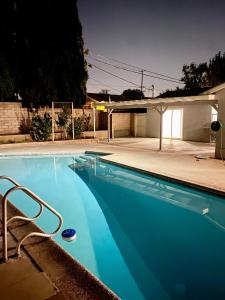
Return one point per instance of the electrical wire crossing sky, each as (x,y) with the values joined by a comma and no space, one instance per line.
(126,38)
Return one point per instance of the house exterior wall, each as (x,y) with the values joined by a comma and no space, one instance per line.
(220,145)
(196,123)
(121,124)
(152,123)
(139,125)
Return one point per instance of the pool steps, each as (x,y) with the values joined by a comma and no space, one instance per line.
(6,221)
(84,158)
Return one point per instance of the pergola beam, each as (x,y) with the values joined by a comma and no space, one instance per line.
(157,102)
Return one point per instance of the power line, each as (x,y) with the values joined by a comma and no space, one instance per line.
(114,75)
(105,84)
(137,72)
(139,68)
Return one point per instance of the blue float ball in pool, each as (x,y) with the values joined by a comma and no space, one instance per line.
(69,234)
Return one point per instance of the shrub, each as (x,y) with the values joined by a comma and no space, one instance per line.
(41,127)
(78,127)
(25,125)
(63,118)
(87,122)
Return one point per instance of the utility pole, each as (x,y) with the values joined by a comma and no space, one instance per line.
(142,79)
(153,90)
(106,92)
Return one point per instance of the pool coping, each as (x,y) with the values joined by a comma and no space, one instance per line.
(162,176)
(75,269)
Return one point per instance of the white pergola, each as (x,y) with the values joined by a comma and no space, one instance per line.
(158,104)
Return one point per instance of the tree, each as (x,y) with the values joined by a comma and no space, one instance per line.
(205,74)
(195,75)
(216,69)
(7,80)
(7,49)
(49,62)
(133,94)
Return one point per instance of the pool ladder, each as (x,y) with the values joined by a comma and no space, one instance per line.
(6,221)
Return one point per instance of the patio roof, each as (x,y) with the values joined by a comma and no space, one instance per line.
(173,101)
(161,105)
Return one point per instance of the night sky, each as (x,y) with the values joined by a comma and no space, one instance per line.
(160,36)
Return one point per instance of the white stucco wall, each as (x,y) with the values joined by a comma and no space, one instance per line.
(140,125)
(221,117)
(152,123)
(196,123)
(196,119)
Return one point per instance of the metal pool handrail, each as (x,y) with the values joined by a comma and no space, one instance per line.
(37,199)
(20,217)
(10,179)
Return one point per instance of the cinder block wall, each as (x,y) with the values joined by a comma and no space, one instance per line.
(12,114)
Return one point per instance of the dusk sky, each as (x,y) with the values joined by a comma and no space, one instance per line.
(160,36)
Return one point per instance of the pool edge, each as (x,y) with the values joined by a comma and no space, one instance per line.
(166,177)
(73,269)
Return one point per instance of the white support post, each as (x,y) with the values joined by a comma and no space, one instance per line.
(109,111)
(161,112)
(94,121)
(72,121)
(53,122)
(160,130)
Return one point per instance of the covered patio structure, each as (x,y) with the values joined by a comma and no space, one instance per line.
(214,97)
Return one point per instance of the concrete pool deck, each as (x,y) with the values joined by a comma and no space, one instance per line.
(176,160)
(44,271)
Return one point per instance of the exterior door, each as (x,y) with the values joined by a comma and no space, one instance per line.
(173,123)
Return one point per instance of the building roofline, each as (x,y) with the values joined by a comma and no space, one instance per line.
(214,90)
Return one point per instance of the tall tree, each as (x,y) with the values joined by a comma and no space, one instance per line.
(7,49)
(216,69)
(48,63)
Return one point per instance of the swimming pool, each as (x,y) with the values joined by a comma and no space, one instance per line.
(143,237)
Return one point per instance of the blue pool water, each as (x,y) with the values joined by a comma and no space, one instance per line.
(143,237)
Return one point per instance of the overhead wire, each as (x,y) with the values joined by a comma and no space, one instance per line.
(104,84)
(138,68)
(136,72)
(121,78)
